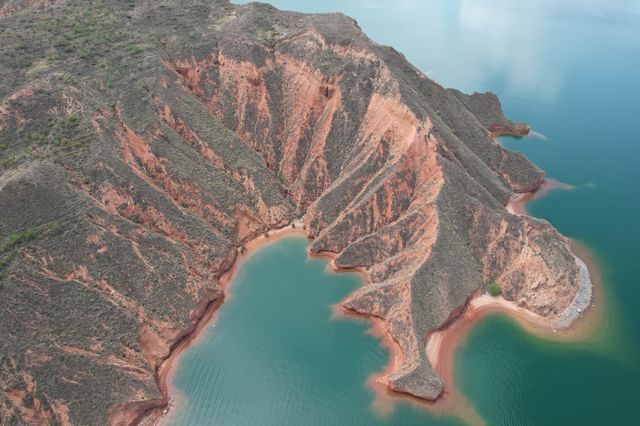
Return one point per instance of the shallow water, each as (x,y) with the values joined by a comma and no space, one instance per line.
(278,355)
(572,70)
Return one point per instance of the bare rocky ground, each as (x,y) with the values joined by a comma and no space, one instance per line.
(143,142)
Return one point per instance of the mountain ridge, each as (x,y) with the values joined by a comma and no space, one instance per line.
(146,142)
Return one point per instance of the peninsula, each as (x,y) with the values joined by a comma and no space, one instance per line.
(143,144)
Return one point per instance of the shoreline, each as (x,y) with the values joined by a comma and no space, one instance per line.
(517,205)
(162,414)
(441,344)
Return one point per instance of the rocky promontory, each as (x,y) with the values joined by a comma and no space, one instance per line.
(143,143)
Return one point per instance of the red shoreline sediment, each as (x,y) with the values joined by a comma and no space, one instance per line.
(441,344)
(449,402)
(518,204)
(164,373)
(518,130)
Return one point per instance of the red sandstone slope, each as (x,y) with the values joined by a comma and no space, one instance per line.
(409,187)
(134,172)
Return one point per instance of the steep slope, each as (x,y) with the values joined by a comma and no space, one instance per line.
(144,142)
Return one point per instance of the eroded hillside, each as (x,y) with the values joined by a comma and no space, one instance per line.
(142,143)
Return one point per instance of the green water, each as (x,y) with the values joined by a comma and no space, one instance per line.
(277,355)
(572,70)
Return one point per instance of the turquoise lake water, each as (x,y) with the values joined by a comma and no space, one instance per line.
(277,355)
(572,70)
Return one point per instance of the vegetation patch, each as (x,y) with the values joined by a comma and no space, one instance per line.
(18,238)
(9,245)
(494,289)
(67,135)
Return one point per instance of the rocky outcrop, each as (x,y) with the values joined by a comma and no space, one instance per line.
(130,180)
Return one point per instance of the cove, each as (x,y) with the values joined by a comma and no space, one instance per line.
(276,353)
(570,69)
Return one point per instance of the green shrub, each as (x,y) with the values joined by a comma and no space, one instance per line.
(73,120)
(8,163)
(494,289)
(18,238)
(39,137)
(54,227)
